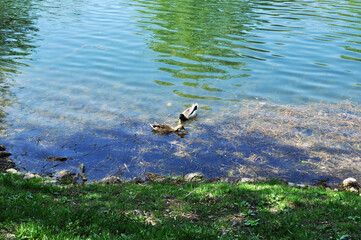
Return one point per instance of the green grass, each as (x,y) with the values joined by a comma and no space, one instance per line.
(174,210)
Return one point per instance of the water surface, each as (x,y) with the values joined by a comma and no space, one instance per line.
(96,72)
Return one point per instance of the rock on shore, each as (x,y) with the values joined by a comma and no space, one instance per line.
(5,162)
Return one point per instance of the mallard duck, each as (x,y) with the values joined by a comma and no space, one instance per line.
(189,113)
(166,128)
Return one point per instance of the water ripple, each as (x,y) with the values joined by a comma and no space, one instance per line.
(121,56)
(247,34)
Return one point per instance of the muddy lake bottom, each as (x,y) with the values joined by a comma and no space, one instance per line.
(253,139)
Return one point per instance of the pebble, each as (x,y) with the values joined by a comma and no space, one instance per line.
(64,173)
(9,236)
(31,175)
(194,177)
(51,181)
(11,170)
(65,176)
(2,148)
(352,189)
(4,154)
(350,182)
(262,179)
(6,163)
(246,180)
(111,180)
(137,180)
(59,159)
(233,181)
(154,177)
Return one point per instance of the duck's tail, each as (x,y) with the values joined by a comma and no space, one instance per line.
(194,108)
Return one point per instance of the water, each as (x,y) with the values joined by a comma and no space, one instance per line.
(87,73)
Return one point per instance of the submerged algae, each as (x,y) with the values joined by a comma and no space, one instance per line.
(296,143)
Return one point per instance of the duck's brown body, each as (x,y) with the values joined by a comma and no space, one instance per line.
(166,128)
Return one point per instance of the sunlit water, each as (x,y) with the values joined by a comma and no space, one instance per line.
(82,78)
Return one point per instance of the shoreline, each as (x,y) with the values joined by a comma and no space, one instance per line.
(65,177)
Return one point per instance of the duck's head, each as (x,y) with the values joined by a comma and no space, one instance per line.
(182,118)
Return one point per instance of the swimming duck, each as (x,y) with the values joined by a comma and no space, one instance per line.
(189,113)
(166,128)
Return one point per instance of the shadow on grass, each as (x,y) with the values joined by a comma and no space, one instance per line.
(271,210)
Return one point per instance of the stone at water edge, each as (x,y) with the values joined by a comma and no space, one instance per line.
(6,163)
(137,180)
(154,177)
(51,181)
(31,175)
(11,170)
(2,148)
(194,177)
(350,182)
(66,175)
(4,154)
(111,180)
(352,189)
(59,159)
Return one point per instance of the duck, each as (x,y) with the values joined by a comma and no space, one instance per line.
(166,128)
(189,113)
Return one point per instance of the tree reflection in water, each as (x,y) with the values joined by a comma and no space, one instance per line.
(17,32)
(199,42)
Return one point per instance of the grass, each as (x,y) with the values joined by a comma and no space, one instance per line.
(173,209)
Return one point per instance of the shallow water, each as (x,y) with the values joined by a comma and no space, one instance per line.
(87,76)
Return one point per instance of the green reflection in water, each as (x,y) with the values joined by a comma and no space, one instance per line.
(195,96)
(209,88)
(163,83)
(16,43)
(199,40)
(185,95)
(205,108)
(190,84)
(350,58)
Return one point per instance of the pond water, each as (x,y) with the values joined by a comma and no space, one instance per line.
(83,79)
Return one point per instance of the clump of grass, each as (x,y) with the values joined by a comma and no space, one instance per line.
(270,210)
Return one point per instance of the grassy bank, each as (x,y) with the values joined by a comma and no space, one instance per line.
(173,209)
